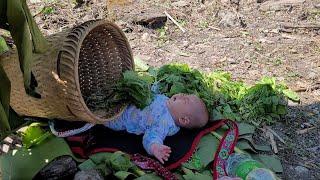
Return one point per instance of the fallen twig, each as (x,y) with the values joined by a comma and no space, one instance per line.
(175,22)
(303,131)
(276,135)
(304,26)
(272,142)
(215,28)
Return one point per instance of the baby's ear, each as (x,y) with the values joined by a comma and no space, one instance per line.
(184,121)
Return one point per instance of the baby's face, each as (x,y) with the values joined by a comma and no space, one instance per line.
(182,105)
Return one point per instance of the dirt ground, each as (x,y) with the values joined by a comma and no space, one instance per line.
(248,38)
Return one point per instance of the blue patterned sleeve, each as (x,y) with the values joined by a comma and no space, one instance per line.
(156,134)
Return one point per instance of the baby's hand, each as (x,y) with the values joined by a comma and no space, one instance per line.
(161,152)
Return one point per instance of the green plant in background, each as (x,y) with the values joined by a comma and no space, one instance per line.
(293,74)
(203,24)
(47,10)
(265,101)
(182,22)
(277,61)
(162,36)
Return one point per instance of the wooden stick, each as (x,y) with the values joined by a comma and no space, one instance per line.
(272,142)
(175,22)
(275,134)
(305,26)
(303,131)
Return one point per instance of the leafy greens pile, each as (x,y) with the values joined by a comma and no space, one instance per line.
(135,88)
(266,101)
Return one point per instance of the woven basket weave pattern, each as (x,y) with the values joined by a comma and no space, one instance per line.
(80,62)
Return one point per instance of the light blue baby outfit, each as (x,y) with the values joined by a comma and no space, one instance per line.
(154,121)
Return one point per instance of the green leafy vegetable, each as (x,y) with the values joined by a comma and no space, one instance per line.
(3,45)
(263,102)
(33,135)
(135,88)
(120,161)
(149,177)
(122,175)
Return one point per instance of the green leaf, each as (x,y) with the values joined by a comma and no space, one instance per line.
(194,163)
(3,45)
(261,147)
(281,109)
(207,147)
(140,65)
(102,167)
(47,10)
(271,162)
(120,161)
(293,96)
(216,114)
(244,145)
(34,135)
(177,88)
(149,177)
(207,172)
(25,163)
(245,128)
(122,175)
(197,176)
(88,164)
(247,137)
(101,157)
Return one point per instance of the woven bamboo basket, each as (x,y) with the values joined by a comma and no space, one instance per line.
(83,62)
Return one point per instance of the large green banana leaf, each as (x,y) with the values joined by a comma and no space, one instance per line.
(24,163)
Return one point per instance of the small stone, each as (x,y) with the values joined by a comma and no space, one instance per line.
(229,19)
(230,2)
(232,61)
(62,166)
(150,19)
(291,103)
(312,75)
(5,148)
(301,171)
(8,140)
(185,43)
(261,1)
(180,4)
(315,149)
(275,5)
(225,1)
(91,174)
(146,37)
(87,17)
(317,6)
(303,16)
(236,2)
(35,1)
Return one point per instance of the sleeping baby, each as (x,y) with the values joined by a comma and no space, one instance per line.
(163,117)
